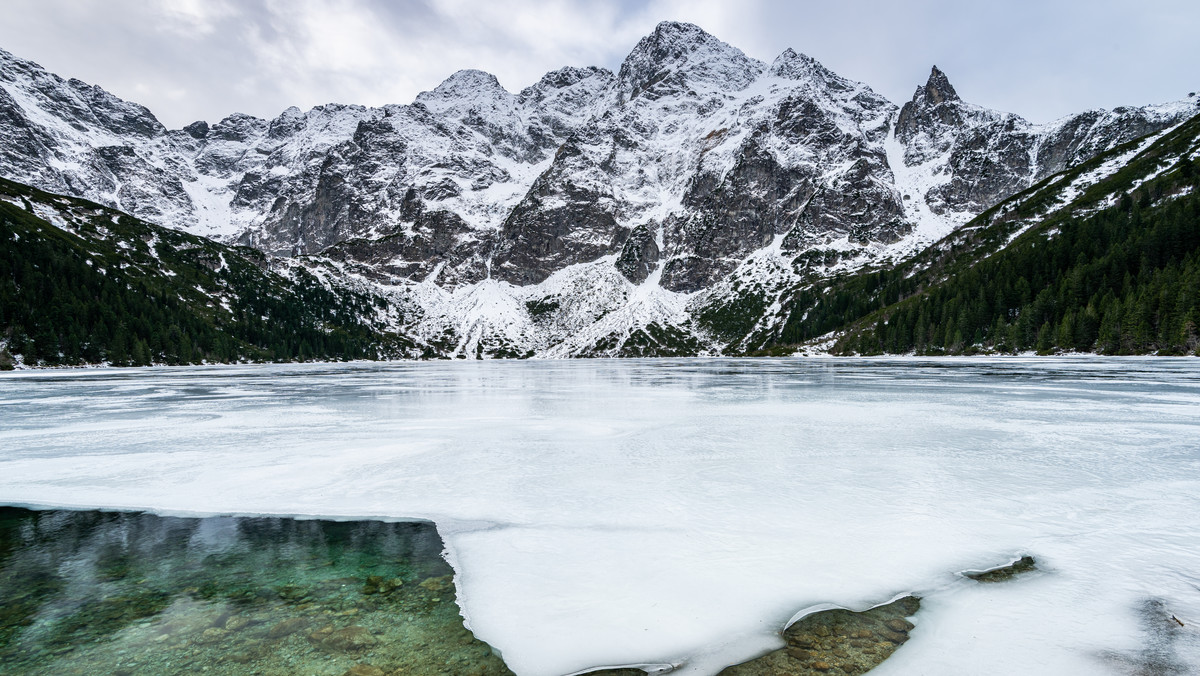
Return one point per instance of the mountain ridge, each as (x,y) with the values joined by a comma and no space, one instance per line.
(660,193)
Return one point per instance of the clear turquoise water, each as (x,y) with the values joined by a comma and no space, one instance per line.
(87,592)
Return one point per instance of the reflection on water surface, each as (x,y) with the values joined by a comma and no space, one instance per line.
(130,593)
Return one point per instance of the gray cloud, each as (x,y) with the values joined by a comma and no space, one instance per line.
(203,59)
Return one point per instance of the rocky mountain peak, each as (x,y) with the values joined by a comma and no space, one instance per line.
(566,77)
(566,98)
(469,95)
(288,123)
(797,67)
(926,114)
(197,130)
(676,47)
(11,64)
(238,127)
(465,85)
(556,83)
(76,99)
(937,90)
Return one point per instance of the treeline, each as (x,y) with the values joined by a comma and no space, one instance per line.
(128,293)
(1119,282)
(1123,281)
(820,309)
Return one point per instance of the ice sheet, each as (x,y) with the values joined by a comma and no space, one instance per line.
(681,511)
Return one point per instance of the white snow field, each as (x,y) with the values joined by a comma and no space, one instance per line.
(682,511)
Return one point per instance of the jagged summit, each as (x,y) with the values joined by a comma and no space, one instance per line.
(926,112)
(564,99)
(681,32)
(468,77)
(556,82)
(77,100)
(792,65)
(462,90)
(796,66)
(937,90)
(197,130)
(238,128)
(287,123)
(676,47)
(567,76)
(10,63)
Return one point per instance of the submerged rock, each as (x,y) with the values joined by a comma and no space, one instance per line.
(377,584)
(1003,573)
(836,641)
(212,635)
(438,584)
(350,639)
(321,634)
(237,623)
(364,669)
(287,627)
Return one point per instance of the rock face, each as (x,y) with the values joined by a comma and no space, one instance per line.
(683,172)
(987,156)
(639,255)
(804,162)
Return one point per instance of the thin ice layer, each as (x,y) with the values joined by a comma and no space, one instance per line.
(601,513)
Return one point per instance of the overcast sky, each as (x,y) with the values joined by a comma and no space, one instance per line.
(203,59)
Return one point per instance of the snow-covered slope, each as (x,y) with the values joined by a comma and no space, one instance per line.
(590,209)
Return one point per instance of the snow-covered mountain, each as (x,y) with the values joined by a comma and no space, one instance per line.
(666,208)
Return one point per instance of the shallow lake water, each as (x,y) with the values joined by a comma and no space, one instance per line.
(680,512)
(88,592)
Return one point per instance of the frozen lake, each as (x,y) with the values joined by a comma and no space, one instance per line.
(682,511)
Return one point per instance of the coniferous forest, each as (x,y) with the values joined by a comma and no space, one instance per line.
(1125,281)
(1116,273)
(105,287)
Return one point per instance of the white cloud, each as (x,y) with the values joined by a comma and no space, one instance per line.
(188,18)
(189,59)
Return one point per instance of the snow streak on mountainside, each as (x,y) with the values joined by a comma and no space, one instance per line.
(590,213)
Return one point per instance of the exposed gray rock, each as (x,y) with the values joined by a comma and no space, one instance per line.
(991,155)
(639,255)
(197,130)
(421,237)
(677,54)
(560,221)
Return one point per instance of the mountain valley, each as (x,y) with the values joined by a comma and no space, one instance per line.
(696,202)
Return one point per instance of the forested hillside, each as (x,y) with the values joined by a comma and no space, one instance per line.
(1125,281)
(1111,267)
(81,283)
